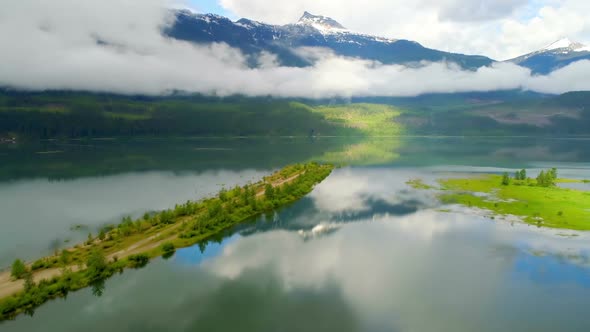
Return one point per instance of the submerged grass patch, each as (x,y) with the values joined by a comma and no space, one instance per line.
(547,206)
(419,184)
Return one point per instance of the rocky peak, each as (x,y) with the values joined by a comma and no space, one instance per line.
(319,22)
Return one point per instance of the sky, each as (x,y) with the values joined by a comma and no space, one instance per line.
(210,6)
(118,46)
(500,29)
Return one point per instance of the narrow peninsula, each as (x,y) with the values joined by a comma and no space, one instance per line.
(132,243)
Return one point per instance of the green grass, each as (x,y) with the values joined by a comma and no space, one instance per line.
(371,119)
(127,116)
(547,206)
(51,109)
(571,181)
(418,184)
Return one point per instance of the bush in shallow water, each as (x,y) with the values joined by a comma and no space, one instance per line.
(168,250)
(168,247)
(139,260)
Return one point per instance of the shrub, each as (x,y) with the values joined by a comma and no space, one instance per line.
(139,260)
(89,240)
(19,269)
(29,281)
(168,247)
(64,258)
(39,264)
(166,217)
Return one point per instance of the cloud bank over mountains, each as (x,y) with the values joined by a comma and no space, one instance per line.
(500,29)
(114,46)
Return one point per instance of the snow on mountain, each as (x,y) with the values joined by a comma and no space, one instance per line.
(330,28)
(253,38)
(566,45)
(554,56)
(562,46)
(321,23)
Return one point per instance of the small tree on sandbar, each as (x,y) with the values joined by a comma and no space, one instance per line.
(19,269)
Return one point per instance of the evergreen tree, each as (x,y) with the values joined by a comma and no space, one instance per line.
(547,179)
(542,179)
(506,179)
(96,264)
(553,175)
(269,191)
(523,174)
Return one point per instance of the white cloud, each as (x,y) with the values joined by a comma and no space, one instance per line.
(468,11)
(60,46)
(500,29)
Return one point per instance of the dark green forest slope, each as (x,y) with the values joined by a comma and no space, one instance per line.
(81,115)
(75,115)
(563,115)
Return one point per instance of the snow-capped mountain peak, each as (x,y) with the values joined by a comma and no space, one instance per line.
(566,45)
(321,23)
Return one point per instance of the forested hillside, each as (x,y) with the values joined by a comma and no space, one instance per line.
(87,115)
(74,115)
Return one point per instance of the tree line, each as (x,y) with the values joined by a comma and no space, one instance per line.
(80,115)
(546,178)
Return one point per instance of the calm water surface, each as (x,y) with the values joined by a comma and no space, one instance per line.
(362,252)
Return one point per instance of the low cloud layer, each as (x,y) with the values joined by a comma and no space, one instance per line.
(113,46)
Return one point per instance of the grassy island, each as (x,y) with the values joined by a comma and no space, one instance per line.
(537,201)
(132,243)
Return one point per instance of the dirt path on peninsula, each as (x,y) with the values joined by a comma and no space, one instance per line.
(9,286)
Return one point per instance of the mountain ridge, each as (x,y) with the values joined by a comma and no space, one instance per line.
(553,56)
(253,38)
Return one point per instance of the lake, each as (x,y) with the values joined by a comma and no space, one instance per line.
(362,252)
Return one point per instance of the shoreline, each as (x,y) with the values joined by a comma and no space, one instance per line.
(133,243)
(543,206)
